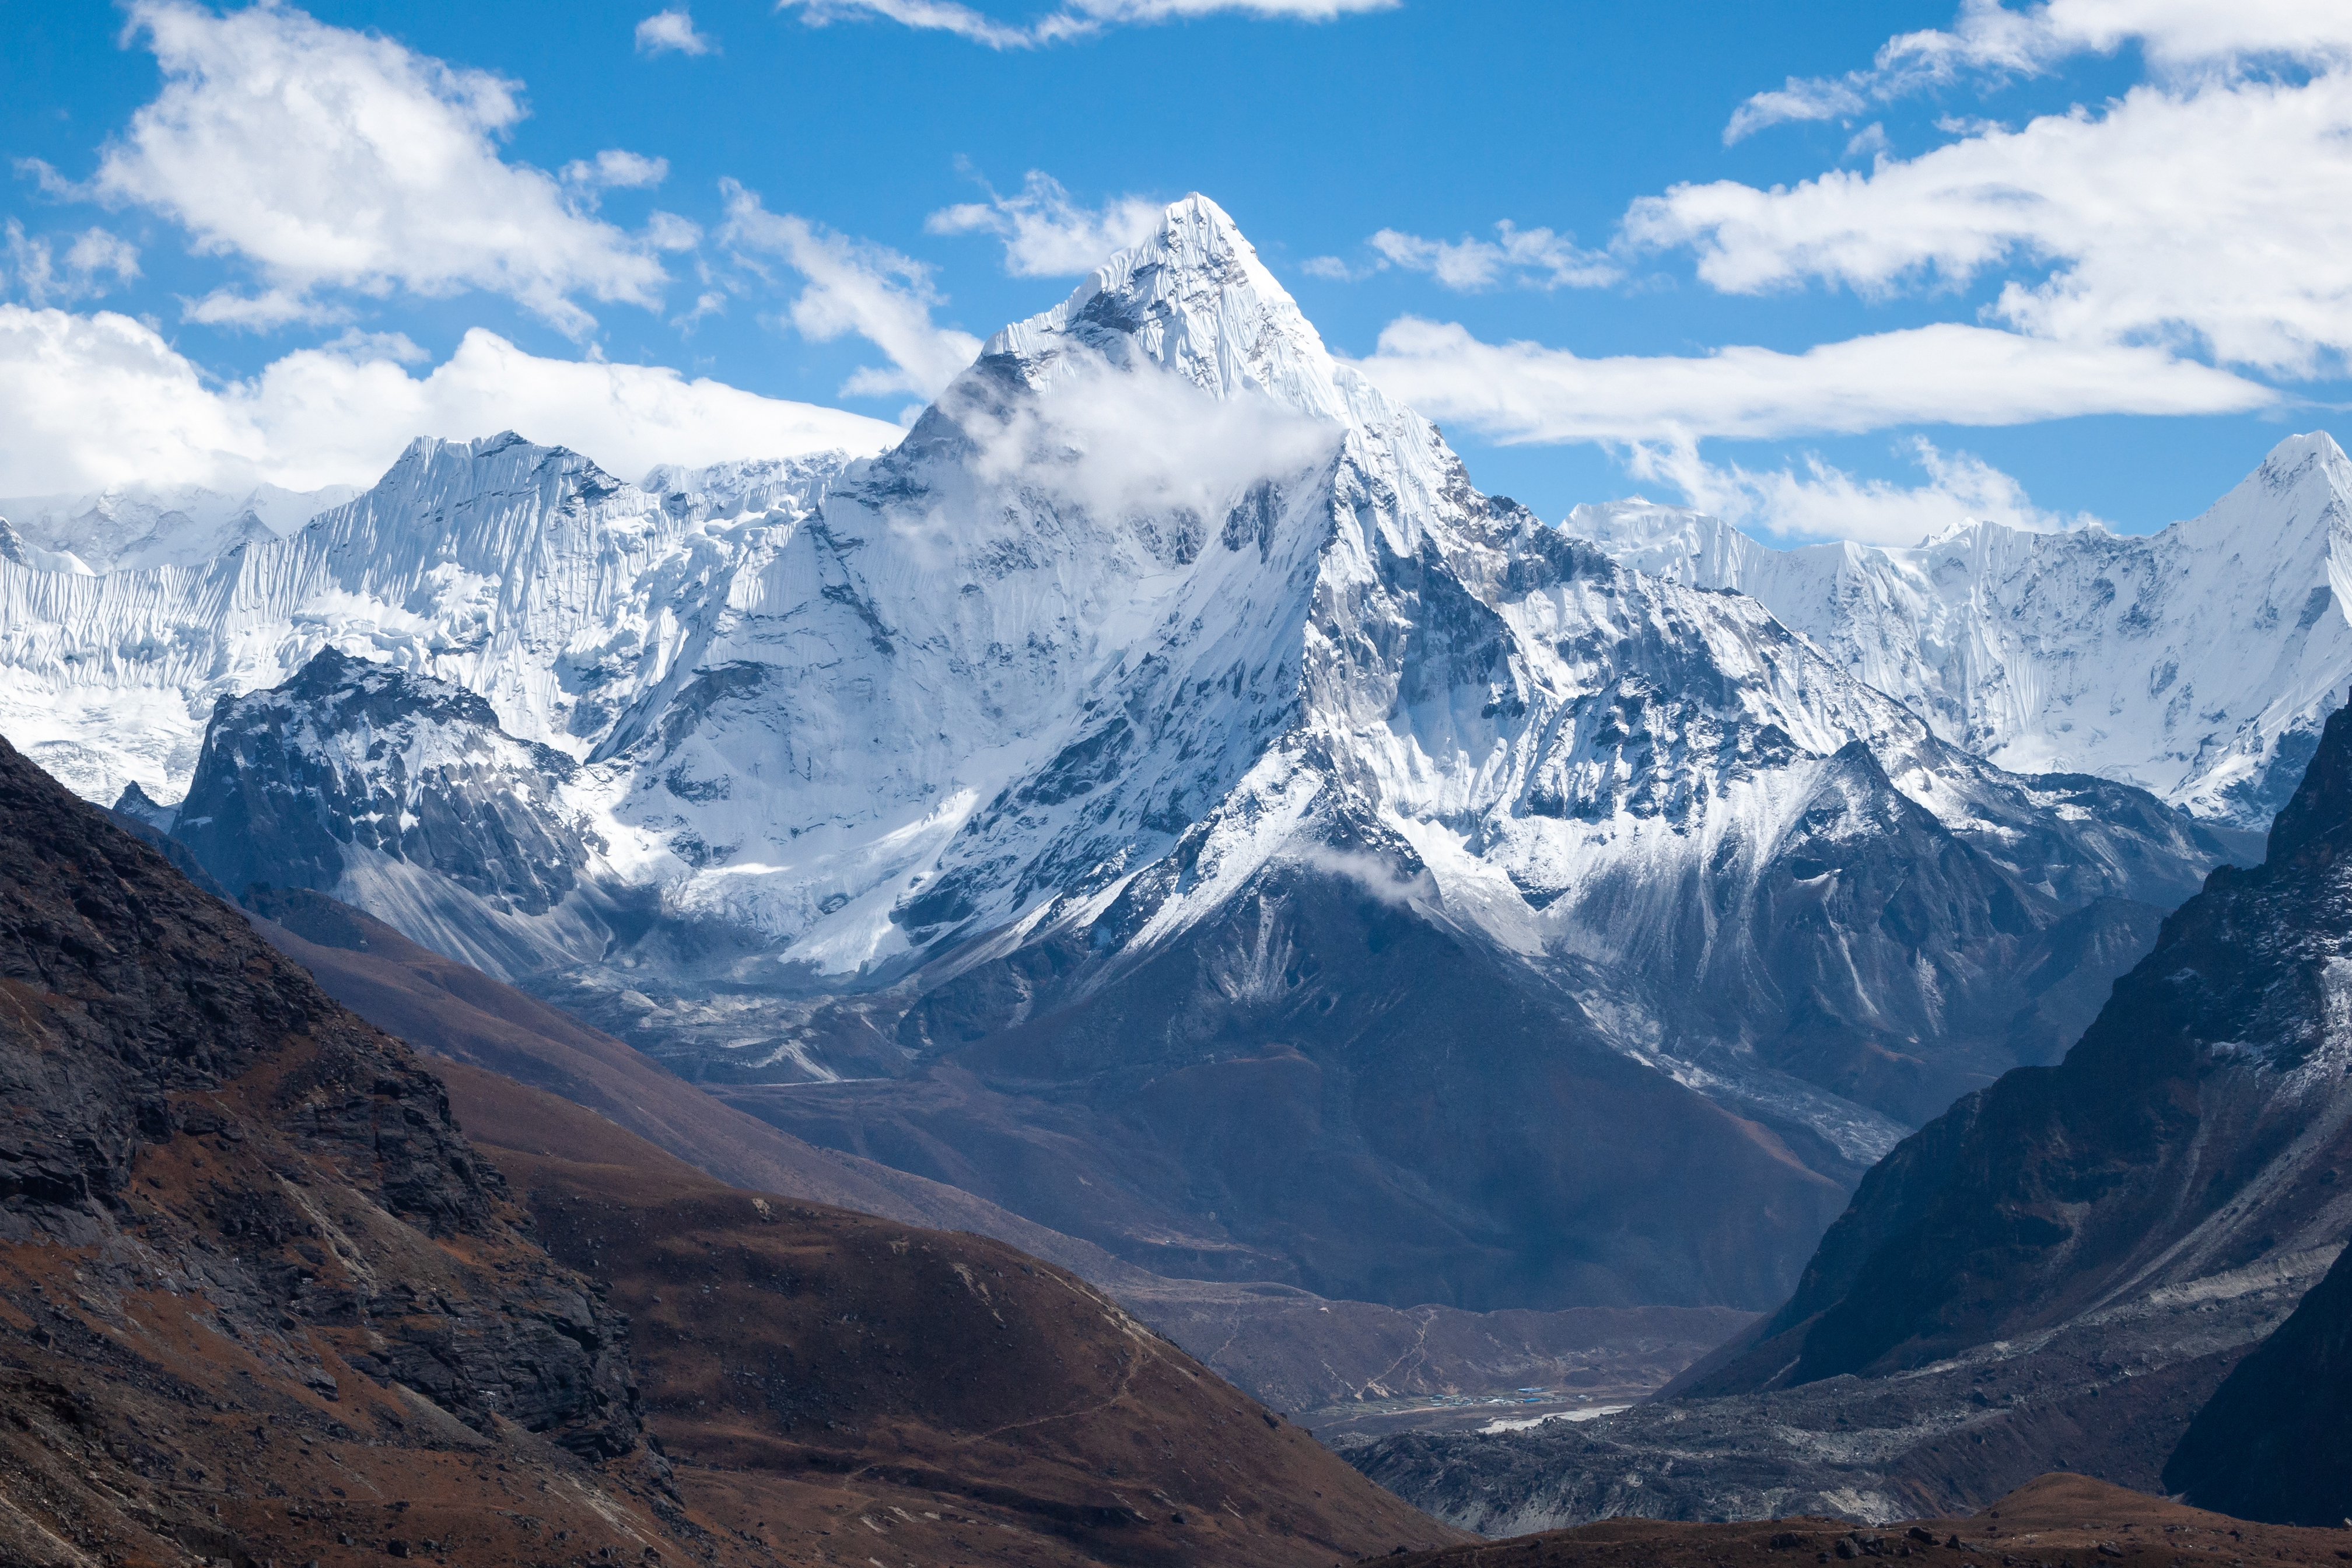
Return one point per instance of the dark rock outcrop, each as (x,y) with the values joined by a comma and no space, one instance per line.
(2271,1443)
(2061,1270)
(350,755)
(219,1190)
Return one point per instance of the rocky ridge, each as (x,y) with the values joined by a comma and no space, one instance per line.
(2198,662)
(2059,1271)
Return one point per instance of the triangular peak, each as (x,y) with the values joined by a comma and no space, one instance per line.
(2293,489)
(1194,298)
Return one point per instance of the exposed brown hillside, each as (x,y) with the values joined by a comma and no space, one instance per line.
(824,1371)
(261,1302)
(1295,1351)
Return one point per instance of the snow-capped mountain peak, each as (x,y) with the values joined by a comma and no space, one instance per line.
(1163,668)
(1194,299)
(133,527)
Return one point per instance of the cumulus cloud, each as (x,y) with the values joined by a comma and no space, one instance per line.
(330,159)
(856,287)
(672,31)
(1047,235)
(89,401)
(2179,38)
(1943,374)
(1825,502)
(1076,19)
(2211,218)
(95,261)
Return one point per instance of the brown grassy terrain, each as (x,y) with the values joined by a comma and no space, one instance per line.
(821,1377)
(261,1302)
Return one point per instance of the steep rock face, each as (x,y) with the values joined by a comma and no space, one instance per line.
(223,1196)
(2056,1273)
(2198,662)
(368,781)
(2186,1135)
(2270,1444)
(147,1022)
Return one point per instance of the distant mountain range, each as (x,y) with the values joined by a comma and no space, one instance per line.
(1166,798)
(2198,662)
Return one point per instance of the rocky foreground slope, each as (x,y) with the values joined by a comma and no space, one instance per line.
(2056,1273)
(260,1299)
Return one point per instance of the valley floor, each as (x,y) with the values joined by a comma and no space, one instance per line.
(2059,1521)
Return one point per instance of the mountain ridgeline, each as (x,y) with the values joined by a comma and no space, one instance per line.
(2059,1272)
(1163,797)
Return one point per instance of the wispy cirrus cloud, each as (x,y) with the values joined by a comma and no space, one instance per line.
(2180,39)
(1076,19)
(855,286)
(1047,235)
(95,261)
(1523,258)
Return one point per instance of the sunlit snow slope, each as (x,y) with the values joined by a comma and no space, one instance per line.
(2198,662)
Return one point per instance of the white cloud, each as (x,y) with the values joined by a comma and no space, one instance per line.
(1943,374)
(856,287)
(1334,269)
(88,401)
(1075,439)
(2212,219)
(2180,39)
(92,259)
(1076,19)
(1046,234)
(265,311)
(1532,258)
(1825,502)
(615,169)
(672,30)
(1871,140)
(333,159)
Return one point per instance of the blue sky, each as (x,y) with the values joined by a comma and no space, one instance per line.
(2079,260)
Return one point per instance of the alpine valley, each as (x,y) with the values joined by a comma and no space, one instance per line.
(1164,798)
